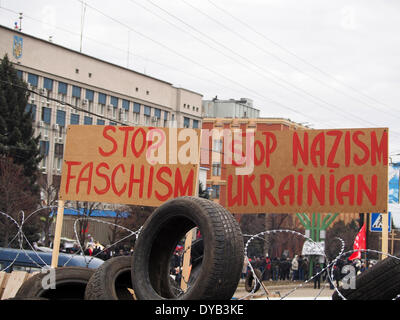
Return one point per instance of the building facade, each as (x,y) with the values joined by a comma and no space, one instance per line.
(74,88)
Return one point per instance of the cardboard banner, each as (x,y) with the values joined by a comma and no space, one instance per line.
(129,165)
(338,170)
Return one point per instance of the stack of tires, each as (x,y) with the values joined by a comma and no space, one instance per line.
(216,260)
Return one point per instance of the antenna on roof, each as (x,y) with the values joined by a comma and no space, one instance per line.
(83,12)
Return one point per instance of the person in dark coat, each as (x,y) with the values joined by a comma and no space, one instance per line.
(317,275)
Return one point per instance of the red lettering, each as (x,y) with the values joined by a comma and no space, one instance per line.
(88,179)
(380,151)
(150,183)
(113,141)
(135,151)
(166,196)
(238,198)
(349,193)
(300,189)
(313,188)
(104,176)
(265,191)
(286,189)
(69,176)
(297,148)
(113,175)
(187,188)
(133,180)
(258,144)
(318,150)
(332,154)
(331,189)
(363,188)
(347,148)
(270,146)
(248,190)
(357,160)
(126,138)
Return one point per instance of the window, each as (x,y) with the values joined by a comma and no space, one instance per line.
(101,122)
(147,111)
(215,192)
(136,107)
(58,150)
(217,145)
(195,124)
(74,118)
(165,119)
(125,104)
(60,118)
(157,113)
(33,79)
(216,169)
(102,98)
(46,115)
(19,74)
(31,108)
(76,92)
(57,163)
(136,118)
(186,122)
(114,101)
(87,120)
(62,88)
(44,148)
(89,95)
(48,84)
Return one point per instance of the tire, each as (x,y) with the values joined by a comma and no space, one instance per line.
(380,282)
(70,284)
(248,282)
(111,280)
(222,257)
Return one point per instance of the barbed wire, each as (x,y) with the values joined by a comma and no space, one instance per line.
(21,238)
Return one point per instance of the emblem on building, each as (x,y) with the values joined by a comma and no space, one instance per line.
(17,47)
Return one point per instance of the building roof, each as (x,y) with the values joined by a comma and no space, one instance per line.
(94,58)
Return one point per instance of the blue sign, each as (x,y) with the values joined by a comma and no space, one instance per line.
(376,222)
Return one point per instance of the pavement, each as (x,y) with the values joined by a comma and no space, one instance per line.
(286,290)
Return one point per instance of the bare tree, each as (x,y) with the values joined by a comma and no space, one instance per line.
(49,199)
(85,210)
(15,196)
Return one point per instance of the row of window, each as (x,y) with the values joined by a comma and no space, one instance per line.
(75,118)
(89,95)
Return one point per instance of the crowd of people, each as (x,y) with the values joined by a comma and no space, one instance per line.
(298,269)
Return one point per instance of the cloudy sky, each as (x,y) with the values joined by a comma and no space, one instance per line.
(328,64)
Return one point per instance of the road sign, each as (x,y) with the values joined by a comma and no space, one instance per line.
(376,222)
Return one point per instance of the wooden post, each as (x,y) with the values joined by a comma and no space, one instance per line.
(57,234)
(186,267)
(385,238)
(186,260)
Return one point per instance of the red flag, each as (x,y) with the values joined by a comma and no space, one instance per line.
(359,243)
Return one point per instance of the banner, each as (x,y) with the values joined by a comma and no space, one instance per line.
(129,165)
(338,170)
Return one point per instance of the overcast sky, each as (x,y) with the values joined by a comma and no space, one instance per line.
(329,64)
